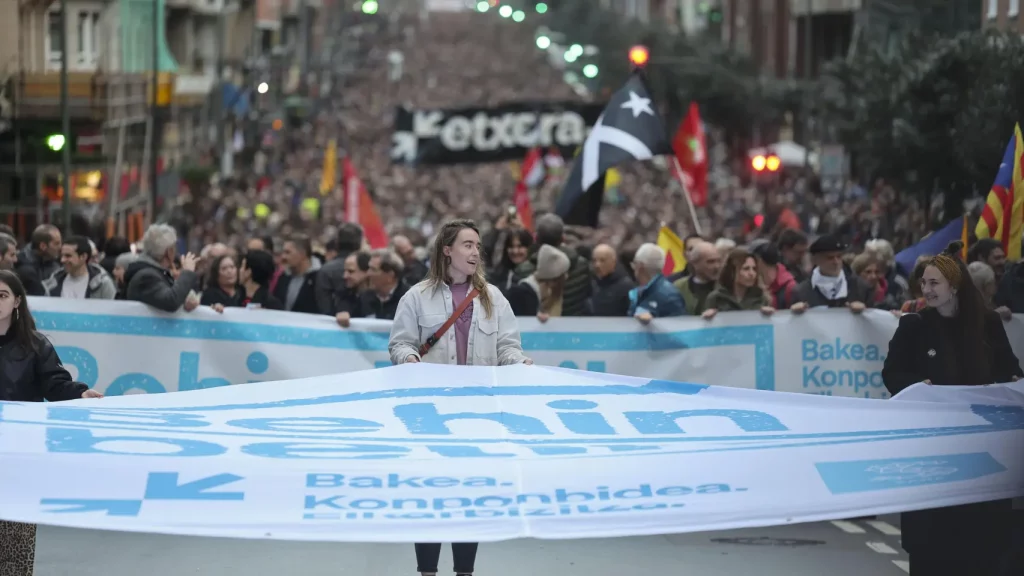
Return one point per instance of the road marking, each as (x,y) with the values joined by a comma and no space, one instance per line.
(848,527)
(881,548)
(885,528)
(903,565)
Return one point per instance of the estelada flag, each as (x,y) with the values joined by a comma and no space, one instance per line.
(1003,215)
(690,148)
(359,207)
(675,253)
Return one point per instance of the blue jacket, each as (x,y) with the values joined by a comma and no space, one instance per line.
(659,297)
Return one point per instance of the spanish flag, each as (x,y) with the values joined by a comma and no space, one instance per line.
(1003,216)
(675,252)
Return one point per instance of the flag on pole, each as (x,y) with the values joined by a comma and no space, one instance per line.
(689,145)
(628,130)
(1003,215)
(675,251)
(359,207)
(329,178)
(532,175)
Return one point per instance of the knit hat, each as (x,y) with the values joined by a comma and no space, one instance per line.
(552,263)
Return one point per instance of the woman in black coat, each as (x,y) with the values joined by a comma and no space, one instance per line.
(222,284)
(30,371)
(955,340)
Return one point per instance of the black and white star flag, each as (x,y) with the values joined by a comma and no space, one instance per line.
(628,130)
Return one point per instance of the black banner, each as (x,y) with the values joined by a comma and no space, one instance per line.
(506,132)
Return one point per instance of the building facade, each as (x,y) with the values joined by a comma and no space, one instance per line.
(1002,15)
(209,56)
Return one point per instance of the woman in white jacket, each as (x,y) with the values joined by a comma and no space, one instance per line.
(425,329)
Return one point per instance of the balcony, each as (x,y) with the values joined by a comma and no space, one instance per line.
(91,96)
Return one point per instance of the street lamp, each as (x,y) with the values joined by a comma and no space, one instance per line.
(505,11)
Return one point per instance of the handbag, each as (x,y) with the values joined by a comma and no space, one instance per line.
(426,346)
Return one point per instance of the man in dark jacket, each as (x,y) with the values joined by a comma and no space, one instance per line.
(149,279)
(611,285)
(40,259)
(1010,293)
(297,288)
(79,278)
(830,283)
(576,294)
(330,281)
(386,286)
(8,252)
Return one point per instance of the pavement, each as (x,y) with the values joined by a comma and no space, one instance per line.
(845,548)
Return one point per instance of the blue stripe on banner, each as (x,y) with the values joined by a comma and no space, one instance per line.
(761,337)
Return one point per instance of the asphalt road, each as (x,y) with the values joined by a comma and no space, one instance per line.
(853,548)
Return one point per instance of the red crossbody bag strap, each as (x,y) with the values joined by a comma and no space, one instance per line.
(449,323)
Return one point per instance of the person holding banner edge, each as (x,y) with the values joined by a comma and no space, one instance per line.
(30,371)
(955,340)
(455,317)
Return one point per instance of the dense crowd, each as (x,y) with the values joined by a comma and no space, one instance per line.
(497,63)
(546,274)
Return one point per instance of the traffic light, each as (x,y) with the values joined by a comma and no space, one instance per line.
(370,6)
(639,55)
(765,164)
(55,142)
(542,7)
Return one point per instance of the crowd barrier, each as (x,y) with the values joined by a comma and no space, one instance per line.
(127,348)
(424,452)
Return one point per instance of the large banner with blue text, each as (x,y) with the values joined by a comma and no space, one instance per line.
(128,348)
(447,453)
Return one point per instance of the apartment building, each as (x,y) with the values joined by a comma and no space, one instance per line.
(202,49)
(1002,15)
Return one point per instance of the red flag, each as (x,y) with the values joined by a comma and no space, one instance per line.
(690,147)
(530,176)
(359,208)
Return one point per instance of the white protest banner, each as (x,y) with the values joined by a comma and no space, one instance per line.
(126,347)
(446,453)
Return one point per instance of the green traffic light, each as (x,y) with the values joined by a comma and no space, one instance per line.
(55,142)
(715,16)
(482,6)
(519,16)
(542,8)
(543,42)
(370,7)
(590,71)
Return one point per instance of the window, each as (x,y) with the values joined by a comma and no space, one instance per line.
(54,48)
(1014,8)
(993,9)
(88,38)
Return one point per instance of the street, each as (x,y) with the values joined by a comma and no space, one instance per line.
(847,548)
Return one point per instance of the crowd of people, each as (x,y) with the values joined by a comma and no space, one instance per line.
(546,273)
(266,196)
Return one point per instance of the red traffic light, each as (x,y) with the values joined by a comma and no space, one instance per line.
(638,56)
(762,163)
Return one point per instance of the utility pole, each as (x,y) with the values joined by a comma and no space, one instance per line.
(154,107)
(65,118)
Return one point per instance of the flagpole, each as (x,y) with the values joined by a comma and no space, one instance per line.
(686,194)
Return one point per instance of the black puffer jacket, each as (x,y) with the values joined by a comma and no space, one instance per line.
(576,296)
(34,375)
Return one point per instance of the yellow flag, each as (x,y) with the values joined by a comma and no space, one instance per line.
(674,248)
(329,178)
